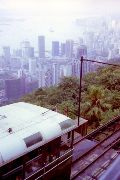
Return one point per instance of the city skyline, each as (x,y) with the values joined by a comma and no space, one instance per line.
(21,20)
(28,68)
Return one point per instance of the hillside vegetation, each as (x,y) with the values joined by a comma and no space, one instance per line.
(100,96)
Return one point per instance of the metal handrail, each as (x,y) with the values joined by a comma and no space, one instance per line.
(37,157)
(50,164)
(54,167)
(12,171)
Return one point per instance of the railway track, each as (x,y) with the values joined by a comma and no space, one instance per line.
(106,133)
(92,168)
(106,129)
(105,139)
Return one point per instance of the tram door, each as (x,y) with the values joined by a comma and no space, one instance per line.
(54,149)
(51,151)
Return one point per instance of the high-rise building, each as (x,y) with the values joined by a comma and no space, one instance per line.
(31,52)
(55,48)
(56,72)
(25,45)
(81,51)
(14,88)
(6,55)
(26,50)
(65,70)
(62,49)
(31,85)
(48,78)
(17,53)
(15,63)
(32,66)
(69,48)
(6,51)
(89,40)
(41,46)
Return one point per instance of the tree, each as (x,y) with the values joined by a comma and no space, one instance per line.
(94,104)
(69,88)
(100,95)
(110,114)
(109,77)
(67,108)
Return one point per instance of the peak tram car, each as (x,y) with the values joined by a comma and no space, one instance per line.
(35,143)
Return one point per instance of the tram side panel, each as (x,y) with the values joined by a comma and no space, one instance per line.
(61,170)
(51,161)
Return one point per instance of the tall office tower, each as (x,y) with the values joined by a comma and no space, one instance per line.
(25,45)
(55,48)
(56,72)
(32,66)
(2,62)
(6,54)
(41,46)
(21,74)
(48,77)
(31,52)
(14,88)
(62,49)
(89,40)
(17,52)
(65,70)
(81,51)
(81,41)
(69,48)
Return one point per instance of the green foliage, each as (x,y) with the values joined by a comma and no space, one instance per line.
(110,114)
(67,108)
(94,104)
(69,88)
(100,96)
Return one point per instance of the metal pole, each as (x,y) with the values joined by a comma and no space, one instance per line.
(80,87)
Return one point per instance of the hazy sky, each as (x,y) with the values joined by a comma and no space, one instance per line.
(26,19)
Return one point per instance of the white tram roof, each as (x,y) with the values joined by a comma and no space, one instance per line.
(19,116)
(24,127)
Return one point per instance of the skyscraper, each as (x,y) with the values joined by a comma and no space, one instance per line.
(55,48)
(14,88)
(31,52)
(6,54)
(6,51)
(25,45)
(17,53)
(41,46)
(62,49)
(32,66)
(81,51)
(69,48)
(26,50)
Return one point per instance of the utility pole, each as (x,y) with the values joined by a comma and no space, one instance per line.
(80,89)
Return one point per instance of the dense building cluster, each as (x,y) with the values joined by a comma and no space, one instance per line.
(25,69)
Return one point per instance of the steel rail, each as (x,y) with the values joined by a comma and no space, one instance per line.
(102,154)
(100,129)
(96,146)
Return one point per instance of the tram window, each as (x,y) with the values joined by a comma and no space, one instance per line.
(33,139)
(66,124)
